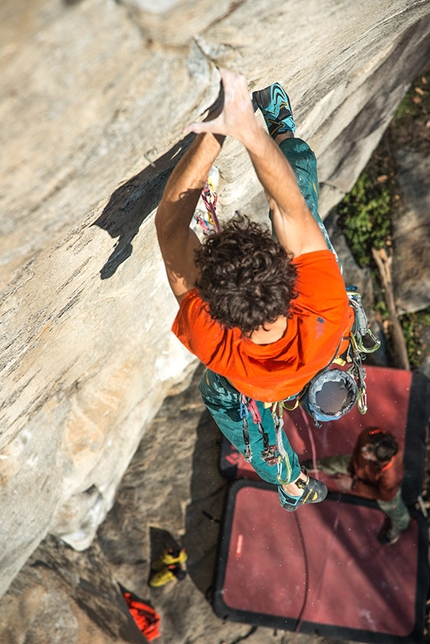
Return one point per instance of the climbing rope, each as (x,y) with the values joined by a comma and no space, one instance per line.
(209,197)
(309,600)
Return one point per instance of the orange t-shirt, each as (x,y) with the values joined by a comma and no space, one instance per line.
(320,320)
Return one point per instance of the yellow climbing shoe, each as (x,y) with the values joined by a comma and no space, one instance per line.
(170,557)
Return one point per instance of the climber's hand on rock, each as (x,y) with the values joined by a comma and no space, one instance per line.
(237,117)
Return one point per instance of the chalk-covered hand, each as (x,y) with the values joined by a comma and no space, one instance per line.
(237,117)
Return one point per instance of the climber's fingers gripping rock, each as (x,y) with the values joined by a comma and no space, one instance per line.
(237,118)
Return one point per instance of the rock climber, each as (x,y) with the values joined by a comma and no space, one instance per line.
(264,313)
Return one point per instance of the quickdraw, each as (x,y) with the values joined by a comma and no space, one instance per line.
(357,349)
(361,328)
(268,453)
(210,199)
(278,422)
(359,374)
(244,417)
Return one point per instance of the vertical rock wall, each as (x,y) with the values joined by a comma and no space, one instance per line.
(94,98)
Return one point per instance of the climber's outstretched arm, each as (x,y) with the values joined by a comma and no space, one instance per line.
(294,224)
(178,203)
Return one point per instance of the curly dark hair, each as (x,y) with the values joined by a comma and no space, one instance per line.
(246,277)
(384,445)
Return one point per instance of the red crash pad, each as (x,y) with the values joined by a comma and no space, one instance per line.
(320,569)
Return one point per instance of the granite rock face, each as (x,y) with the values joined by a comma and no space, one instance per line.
(95,95)
(411,259)
(64,596)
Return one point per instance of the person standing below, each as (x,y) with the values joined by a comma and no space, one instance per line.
(264,313)
(374,470)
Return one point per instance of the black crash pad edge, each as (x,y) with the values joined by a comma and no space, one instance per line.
(416,437)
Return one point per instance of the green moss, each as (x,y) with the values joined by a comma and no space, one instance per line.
(364,216)
(414,326)
(415,104)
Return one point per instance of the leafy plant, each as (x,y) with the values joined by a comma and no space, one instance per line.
(364,216)
(414,327)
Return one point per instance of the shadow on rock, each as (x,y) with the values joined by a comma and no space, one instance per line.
(160,541)
(204,513)
(133,202)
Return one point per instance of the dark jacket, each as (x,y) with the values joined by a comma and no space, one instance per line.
(372,479)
